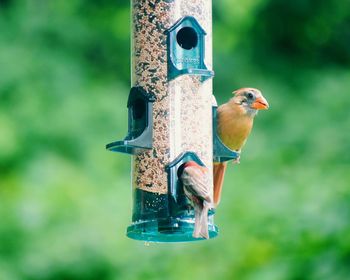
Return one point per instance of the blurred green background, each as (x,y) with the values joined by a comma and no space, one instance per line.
(65,202)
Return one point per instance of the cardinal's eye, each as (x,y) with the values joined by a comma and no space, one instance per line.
(250,95)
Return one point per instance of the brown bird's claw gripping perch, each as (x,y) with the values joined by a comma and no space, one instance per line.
(237,160)
(234,124)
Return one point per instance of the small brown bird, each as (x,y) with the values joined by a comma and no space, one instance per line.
(198,188)
(234,124)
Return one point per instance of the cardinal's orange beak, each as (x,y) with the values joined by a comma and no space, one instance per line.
(260,104)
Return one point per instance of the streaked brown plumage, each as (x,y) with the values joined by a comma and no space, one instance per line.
(234,124)
(198,188)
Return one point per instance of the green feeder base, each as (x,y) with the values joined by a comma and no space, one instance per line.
(168,230)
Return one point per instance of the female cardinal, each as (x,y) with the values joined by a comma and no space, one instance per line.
(234,123)
(198,188)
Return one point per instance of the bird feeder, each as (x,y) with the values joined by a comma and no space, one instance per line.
(170,114)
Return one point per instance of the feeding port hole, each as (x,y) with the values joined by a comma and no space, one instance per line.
(187,38)
(139,109)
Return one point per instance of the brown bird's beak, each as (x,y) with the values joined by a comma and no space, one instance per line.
(260,104)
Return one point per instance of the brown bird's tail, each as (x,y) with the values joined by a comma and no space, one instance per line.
(219,174)
(201,220)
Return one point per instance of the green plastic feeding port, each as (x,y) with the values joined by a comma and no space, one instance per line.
(139,138)
(185,44)
(221,152)
(167,217)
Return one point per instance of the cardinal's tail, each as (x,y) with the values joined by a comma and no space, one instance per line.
(201,221)
(219,173)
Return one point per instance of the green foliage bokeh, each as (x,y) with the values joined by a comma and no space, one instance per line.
(65,202)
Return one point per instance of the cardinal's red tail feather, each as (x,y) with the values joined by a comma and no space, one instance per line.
(219,174)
